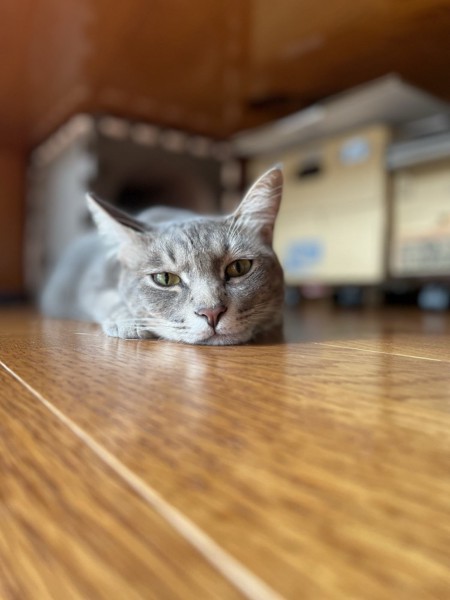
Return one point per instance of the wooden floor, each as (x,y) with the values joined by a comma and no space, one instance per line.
(314,468)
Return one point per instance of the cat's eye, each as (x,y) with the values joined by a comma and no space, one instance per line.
(166,279)
(238,268)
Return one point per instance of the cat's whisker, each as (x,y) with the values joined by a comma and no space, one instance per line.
(85,333)
(134,320)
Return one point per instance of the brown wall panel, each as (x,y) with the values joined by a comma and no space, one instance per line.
(12,186)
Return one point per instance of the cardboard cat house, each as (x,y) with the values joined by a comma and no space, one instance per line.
(132,165)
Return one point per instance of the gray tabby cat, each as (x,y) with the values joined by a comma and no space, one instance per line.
(175,275)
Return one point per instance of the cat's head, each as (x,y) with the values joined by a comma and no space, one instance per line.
(206,280)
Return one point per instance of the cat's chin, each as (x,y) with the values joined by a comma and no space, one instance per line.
(221,339)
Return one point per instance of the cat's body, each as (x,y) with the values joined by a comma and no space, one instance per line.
(175,275)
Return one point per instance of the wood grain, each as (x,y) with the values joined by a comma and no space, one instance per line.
(71,528)
(324,470)
(407,332)
(210,67)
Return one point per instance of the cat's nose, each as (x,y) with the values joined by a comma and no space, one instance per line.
(212,315)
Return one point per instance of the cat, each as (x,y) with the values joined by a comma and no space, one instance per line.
(175,275)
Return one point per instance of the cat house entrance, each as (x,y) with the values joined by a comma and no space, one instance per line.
(135,177)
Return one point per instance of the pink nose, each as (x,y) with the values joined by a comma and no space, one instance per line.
(212,315)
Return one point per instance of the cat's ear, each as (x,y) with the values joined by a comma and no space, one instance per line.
(259,208)
(115,226)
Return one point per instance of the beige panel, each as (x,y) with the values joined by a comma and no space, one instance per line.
(421,220)
(332,225)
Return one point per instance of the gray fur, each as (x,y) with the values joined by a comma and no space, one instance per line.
(109,281)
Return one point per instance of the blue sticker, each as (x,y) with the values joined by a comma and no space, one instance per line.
(354,151)
(303,254)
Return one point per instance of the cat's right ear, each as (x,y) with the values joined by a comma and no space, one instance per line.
(259,208)
(115,226)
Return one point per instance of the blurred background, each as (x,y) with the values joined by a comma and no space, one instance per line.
(184,103)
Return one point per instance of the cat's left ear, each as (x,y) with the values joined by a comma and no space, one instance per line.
(115,226)
(259,208)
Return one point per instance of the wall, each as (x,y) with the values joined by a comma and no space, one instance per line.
(12,192)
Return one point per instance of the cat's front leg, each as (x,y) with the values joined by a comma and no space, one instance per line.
(108,309)
(122,324)
(127,329)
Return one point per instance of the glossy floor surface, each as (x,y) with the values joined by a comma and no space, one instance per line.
(317,467)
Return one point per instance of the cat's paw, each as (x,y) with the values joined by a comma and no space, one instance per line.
(126,331)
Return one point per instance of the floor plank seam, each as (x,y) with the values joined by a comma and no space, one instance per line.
(381,352)
(236,573)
